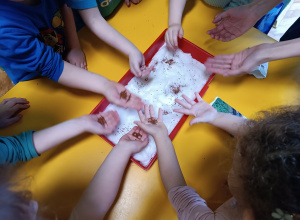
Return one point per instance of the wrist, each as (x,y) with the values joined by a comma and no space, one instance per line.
(172,24)
(105,86)
(216,117)
(133,50)
(263,53)
(124,149)
(160,135)
(82,124)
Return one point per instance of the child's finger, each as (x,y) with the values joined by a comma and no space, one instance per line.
(188,100)
(147,115)
(182,111)
(183,104)
(13,119)
(140,124)
(141,115)
(199,99)
(159,115)
(152,113)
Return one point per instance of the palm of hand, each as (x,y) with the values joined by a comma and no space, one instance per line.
(131,141)
(244,61)
(203,112)
(154,128)
(108,122)
(113,94)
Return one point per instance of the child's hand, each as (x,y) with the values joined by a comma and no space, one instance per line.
(137,64)
(135,140)
(202,111)
(76,57)
(171,36)
(150,123)
(10,109)
(102,123)
(117,94)
(133,1)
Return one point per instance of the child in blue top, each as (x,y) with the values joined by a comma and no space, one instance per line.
(31,34)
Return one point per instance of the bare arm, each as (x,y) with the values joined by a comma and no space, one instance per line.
(75,77)
(102,190)
(45,139)
(246,60)
(70,28)
(74,54)
(169,168)
(99,26)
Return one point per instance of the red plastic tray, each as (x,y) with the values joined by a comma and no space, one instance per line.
(187,47)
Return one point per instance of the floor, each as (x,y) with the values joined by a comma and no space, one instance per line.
(284,21)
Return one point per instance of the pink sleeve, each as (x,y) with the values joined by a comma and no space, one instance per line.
(188,204)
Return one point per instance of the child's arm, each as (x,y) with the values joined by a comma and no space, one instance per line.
(175,30)
(245,61)
(203,112)
(47,138)
(111,36)
(75,77)
(102,190)
(30,144)
(74,54)
(236,21)
(10,109)
(169,168)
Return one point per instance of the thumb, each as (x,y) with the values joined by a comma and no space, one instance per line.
(195,121)
(127,2)
(140,124)
(220,17)
(13,120)
(180,35)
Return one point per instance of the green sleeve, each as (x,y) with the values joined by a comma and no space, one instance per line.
(17,148)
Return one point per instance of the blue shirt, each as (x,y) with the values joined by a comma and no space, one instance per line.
(31,40)
(82,4)
(17,148)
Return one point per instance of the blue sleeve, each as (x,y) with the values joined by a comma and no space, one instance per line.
(17,148)
(24,57)
(81,4)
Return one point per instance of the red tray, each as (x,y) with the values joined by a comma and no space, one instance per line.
(187,47)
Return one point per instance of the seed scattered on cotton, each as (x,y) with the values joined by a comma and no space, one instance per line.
(174,75)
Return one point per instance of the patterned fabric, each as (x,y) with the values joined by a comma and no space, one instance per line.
(31,40)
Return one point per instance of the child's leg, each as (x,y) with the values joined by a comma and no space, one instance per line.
(74,53)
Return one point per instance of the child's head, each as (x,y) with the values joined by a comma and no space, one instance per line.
(267,163)
(14,204)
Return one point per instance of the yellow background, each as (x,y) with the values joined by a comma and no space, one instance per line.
(204,152)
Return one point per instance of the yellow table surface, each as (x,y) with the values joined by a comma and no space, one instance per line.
(204,152)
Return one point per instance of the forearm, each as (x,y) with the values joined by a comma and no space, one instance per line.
(176,8)
(99,26)
(102,190)
(70,28)
(278,50)
(169,168)
(229,123)
(48,138)
(79,78)
(261,7)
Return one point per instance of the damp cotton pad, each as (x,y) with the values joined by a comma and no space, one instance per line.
(174,74)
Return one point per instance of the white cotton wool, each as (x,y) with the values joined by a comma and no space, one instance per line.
(174,75)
